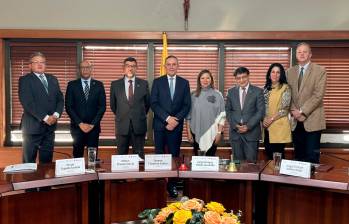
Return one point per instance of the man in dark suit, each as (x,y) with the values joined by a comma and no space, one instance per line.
(130,102)
(170,101)
(245,110)
(85,103)
(42,102)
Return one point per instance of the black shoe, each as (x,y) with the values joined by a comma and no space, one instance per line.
(172,191)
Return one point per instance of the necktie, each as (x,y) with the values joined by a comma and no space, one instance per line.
(300,77)
(86,90)
(130,92)
(171,88)
(44,82)
(243,97)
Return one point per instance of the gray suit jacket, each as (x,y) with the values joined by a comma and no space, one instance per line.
(251,114)
(37,103)
(126,112)
(309,98)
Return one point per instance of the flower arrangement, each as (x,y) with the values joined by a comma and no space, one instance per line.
(191,211)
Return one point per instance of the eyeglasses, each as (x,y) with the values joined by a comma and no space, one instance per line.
(85,67)
(243,77)
(130,66)
(38,62)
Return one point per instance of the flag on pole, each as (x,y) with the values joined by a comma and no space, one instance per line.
(164,54)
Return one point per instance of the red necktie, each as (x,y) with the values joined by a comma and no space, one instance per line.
(130,92)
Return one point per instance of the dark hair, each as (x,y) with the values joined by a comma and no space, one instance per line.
(241,70)
(130,59)
(198,85)
(282,79)
(171,56)
(36,54)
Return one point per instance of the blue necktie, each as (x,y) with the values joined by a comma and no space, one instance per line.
(44,82)
(171,88)
(86,90)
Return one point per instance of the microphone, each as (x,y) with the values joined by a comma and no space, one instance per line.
(67,155)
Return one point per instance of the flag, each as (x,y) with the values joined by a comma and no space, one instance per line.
(164,54)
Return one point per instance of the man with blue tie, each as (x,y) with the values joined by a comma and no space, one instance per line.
(170,101)
(85,103)
(42,102)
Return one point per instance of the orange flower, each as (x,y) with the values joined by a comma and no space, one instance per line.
(216,207)
(229,220)
(181,217)
(211,217)
(161,217)
(192,204)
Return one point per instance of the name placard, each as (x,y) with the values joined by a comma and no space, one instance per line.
(69,167)
(121,163)
(295,168)
(158,162)
(205,163)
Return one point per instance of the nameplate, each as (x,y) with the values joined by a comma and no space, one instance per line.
(205,163)
(69,167)
(295,168)
(121,163)
(22,167)
(158,162)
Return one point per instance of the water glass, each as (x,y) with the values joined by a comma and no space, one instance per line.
(277,157)
(91,157)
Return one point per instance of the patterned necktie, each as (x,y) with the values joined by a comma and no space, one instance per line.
(171,88)
(44,82)
(86,90)
(243,97)
(130,92)
(300,77)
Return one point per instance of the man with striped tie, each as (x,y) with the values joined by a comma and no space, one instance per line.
(85,103)
(42,102)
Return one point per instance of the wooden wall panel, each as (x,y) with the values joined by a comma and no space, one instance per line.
(2,93)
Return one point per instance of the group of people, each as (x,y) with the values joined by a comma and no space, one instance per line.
(290,108)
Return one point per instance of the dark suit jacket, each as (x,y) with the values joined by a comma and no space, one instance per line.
(251,114)
(163,106)
(80,110)
(37,103)
(126,112)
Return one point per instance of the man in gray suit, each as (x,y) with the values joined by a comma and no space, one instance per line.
(42,102)
(130,102)
(245,110)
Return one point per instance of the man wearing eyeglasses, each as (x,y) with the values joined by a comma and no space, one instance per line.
(42,102)
(245,111)
(130,102)
(85,103)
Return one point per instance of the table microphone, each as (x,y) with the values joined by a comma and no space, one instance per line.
(38,147)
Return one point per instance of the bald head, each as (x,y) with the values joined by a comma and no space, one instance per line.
(85,69)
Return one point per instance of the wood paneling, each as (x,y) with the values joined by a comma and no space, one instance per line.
(65,205)
(288,204)
(204,35)
(125,199)
(233,194)
(2,94)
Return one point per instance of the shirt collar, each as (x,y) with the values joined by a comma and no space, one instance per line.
(127,79)
(305,66)
(174,77)
(246,88)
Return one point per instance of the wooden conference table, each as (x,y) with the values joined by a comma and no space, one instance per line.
(322,199)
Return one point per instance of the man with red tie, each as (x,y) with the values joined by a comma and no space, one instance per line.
(130,102)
